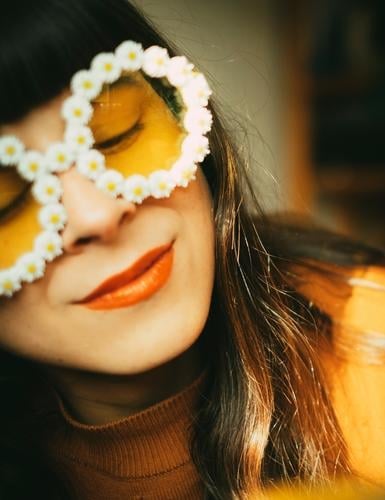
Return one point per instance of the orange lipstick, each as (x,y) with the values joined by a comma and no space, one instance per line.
(145,277)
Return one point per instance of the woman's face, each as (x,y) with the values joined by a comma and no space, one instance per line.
(160,316)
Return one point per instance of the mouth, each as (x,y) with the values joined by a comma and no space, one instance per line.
(135,284)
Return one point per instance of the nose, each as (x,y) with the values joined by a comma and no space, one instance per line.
(92,214)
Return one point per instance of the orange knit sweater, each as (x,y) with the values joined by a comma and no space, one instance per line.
(143,456)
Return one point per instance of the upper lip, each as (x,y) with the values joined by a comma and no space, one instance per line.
(123,278)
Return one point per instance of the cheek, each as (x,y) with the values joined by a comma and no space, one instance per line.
(197,230)
(28,322)
(16,333)
(199,211)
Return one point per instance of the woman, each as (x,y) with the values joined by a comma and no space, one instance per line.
(205,378)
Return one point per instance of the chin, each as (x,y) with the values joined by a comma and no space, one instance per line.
(137,346)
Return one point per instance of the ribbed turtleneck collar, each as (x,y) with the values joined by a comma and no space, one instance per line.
(145,455)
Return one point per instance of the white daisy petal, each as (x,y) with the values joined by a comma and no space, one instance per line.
(161,184)
(32,165)
(79,138)
(30,267)
(106,66)
(11,150)
(195,147)
(155,61)
(183,172)
(198,120)
(59,157)
(129,55)
(86,84)
(10,282)
(53,217)
(91,164)
(49,245)
(110,182)
(76,110)
(47,189)
(196,92)
(179,71)
(136,188)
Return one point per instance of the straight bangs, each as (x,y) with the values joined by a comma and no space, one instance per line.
(44,42)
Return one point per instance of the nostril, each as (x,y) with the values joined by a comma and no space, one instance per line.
(84,240)
(124,217)
(99,221)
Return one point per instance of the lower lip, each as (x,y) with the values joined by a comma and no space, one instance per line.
(140,288)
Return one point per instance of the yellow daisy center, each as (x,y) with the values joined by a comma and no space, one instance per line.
(10,150)
(50,247)
(49,190)
(55,218)
(33,167)
(31,268)
(87,84)
(108,67)
(111,186)
(61,157)
(93,165)
(138,190)
(8,285)
(78,112)
(132,56)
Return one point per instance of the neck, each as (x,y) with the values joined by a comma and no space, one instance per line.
(97,399)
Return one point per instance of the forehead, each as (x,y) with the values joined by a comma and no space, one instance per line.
(43,117)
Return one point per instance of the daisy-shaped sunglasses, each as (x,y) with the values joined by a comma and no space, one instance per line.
(136,124)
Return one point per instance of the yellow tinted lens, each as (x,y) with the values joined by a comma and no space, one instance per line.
(19,223)
(135,128)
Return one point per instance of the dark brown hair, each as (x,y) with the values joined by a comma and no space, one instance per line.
(266,414)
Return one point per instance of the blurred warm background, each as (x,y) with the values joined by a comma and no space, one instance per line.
(306,78)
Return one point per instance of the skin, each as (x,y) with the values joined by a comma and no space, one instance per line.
(109,364)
